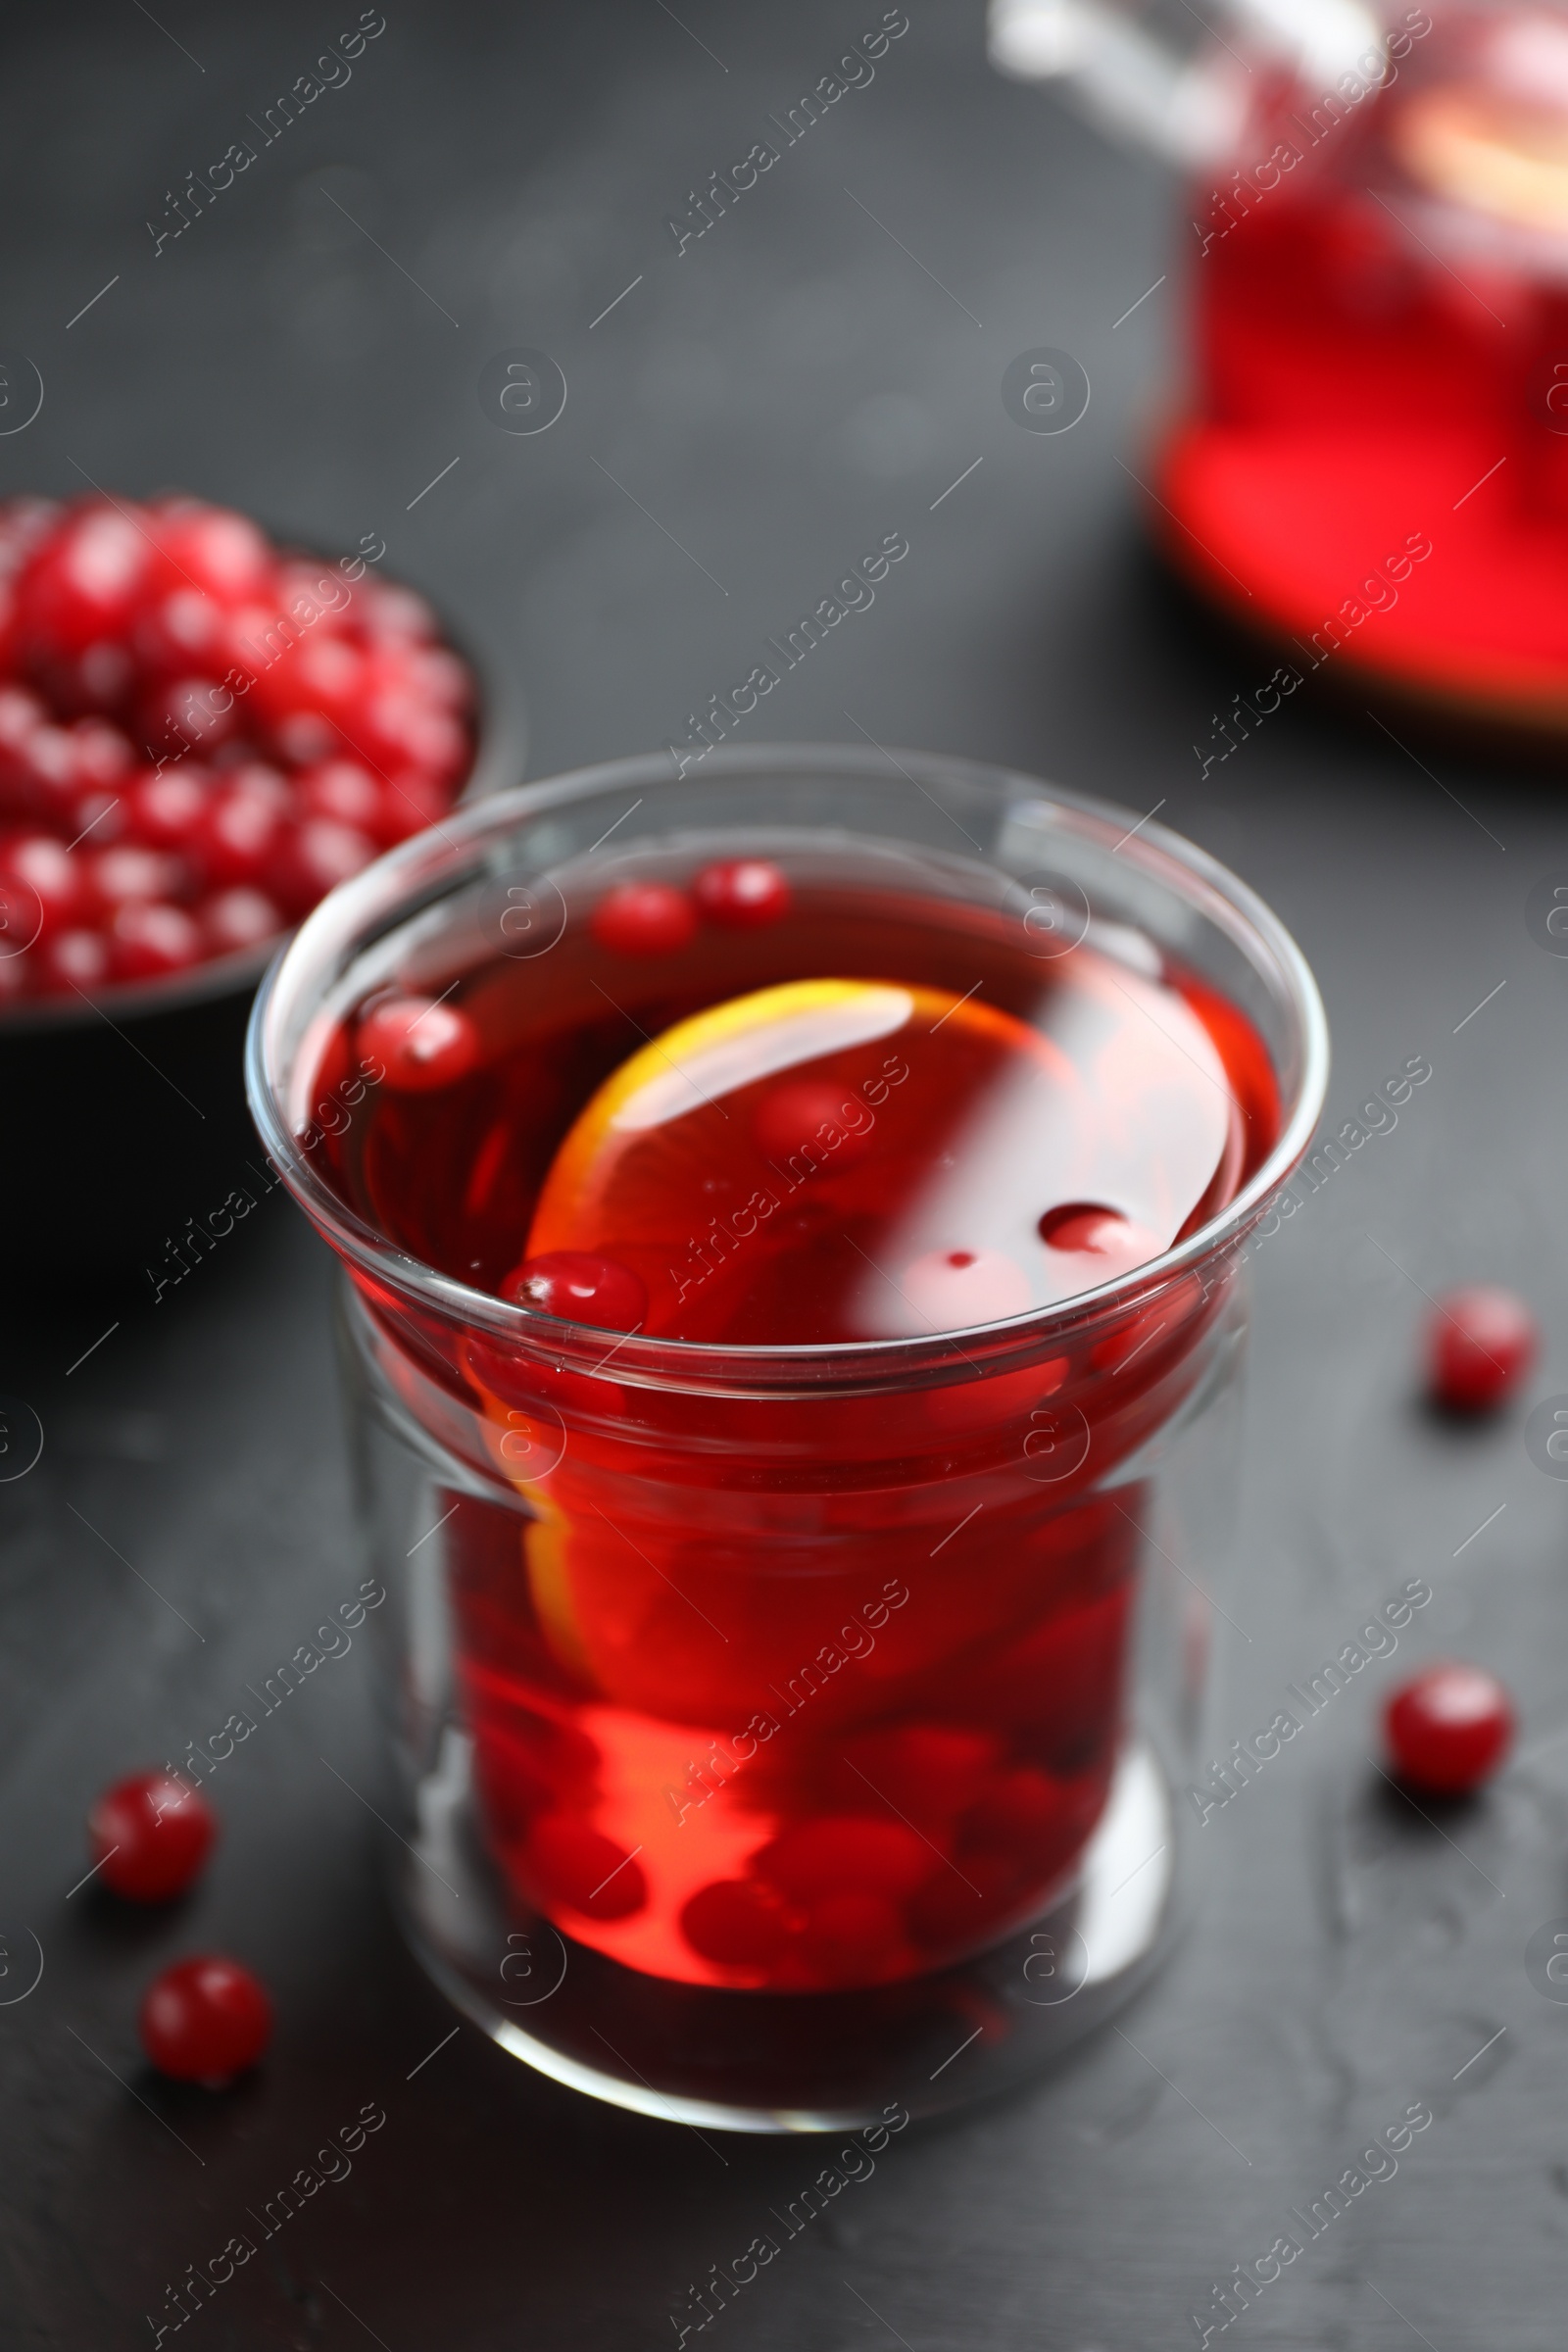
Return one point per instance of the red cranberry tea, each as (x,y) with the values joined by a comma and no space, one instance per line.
(780,1709)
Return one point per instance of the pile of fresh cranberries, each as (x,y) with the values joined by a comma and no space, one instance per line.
(200,734)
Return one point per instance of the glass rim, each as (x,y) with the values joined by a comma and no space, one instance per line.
(372,902)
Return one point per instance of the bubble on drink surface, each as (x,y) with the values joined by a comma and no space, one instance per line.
(950,1290)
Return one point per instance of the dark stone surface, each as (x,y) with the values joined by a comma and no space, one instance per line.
(780,395)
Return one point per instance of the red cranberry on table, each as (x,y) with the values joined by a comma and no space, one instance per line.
(173,687)
(1481,1342)
(151,1835)
(1448,1728)
(644,919)
(742,893)
(205,2020)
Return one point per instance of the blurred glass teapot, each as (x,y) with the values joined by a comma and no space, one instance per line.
(1371,468)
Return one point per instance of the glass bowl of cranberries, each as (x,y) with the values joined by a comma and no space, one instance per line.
(201,732)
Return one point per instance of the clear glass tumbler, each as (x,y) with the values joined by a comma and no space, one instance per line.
(781,1734)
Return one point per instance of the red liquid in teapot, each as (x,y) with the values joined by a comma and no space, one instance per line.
(771,1692)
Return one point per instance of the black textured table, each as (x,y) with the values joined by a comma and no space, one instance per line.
(749,409)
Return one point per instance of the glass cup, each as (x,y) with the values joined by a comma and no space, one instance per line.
(923,1622)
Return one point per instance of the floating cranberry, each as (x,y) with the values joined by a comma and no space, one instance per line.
(150,1835)
(1481,1342)
(742,893)
(579,1288)
(814,1115)
(735,1923)
(205,2020)
(573,1864)
(422,1044)
(147,940)
(843,1854)
(1083,1228)
(1448,1728)
(644,919)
